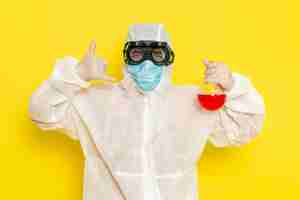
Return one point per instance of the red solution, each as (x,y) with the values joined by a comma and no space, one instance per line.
(211,102)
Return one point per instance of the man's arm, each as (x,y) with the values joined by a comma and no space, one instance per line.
(242,116)
(51,104)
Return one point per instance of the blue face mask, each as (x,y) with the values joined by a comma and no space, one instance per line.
(146,75)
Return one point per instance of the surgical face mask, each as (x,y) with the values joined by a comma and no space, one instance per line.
(146,75)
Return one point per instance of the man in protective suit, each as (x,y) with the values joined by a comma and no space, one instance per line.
(142,136)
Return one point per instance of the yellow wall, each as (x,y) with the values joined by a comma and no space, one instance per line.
(256,38)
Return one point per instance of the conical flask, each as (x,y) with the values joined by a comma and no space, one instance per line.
(211,97)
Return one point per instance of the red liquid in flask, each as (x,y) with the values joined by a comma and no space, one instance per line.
(211,102)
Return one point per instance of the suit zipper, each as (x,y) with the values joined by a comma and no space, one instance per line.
(150,189)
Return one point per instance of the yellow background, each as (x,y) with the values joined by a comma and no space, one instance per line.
(257,38)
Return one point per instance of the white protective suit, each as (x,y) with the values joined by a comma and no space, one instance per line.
(142,146)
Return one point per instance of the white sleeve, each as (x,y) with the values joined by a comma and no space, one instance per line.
(50,105)
(242,116)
